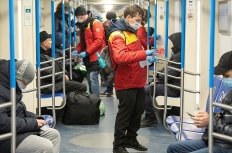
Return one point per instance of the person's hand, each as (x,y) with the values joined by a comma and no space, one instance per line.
(201,119)
(66,78)
(151,59)
(41,122)
(149,52)
(74,53)
(83,54)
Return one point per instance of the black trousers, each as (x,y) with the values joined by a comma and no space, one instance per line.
(130,110)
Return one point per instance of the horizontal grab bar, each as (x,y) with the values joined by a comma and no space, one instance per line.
(30,90)
(7,104)
(227,107)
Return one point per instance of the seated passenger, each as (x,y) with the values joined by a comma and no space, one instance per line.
(45,50)
(201,119)
(31,136)
(159,90)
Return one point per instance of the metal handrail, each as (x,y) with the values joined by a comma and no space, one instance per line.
(162,59)
(191,73)
(171,76)
(5,136)
(30,90)
(46,86)
(173,68)
(46,68)
(7,104)
(50,75)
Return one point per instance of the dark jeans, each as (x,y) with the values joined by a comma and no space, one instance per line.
(159,91)
(130,110)
(194,146)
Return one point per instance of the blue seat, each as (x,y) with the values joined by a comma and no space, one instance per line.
(189,131)
(172,119)
(58,94)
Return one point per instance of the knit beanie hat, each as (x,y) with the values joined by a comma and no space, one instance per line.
(25,71)
(80,10)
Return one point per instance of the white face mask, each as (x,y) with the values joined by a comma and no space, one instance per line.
(21,85)
(135,26)
(80,20)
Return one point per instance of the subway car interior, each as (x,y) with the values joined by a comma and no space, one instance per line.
(103,76)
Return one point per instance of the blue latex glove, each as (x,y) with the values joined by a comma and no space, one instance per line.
(83,54)
(149,52)
(151,59)
(74,53)
(101,61)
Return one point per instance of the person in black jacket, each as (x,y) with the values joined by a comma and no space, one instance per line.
(222,121)
(58,25)
(149,118)
(45,50)
(31,136)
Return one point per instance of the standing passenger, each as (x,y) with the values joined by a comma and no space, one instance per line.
(109,86)
(92,40)
(126,52)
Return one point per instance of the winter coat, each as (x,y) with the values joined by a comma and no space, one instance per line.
(176,57)
(92,40)
(222,124)
(142,35)
(26,123)
(58,78)
(126,51)
(58,30)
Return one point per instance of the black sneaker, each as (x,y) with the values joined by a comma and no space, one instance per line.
(134,144)
(119,149)
(107,94)
(147,122)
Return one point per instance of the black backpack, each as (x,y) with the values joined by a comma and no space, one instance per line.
(82,109)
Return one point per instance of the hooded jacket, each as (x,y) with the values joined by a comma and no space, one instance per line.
(92,40)
(126,51)
(26,123)
(175,38)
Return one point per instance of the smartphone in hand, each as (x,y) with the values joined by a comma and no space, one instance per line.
(191,115)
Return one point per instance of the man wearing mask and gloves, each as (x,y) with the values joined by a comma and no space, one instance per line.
(130,78)
(92,40)
(31,135)
(222,121)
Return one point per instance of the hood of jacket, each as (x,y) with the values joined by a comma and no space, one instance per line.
(176,41)
(119,24)
(5,81)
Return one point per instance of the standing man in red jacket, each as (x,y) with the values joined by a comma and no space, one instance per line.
(130,78)
(92,40)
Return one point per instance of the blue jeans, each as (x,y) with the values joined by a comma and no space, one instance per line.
(193,146)
(93,82)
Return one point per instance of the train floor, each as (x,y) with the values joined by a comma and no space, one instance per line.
(99,138)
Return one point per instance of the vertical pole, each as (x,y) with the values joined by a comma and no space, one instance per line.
(70,41)
(12,76)
(37,26)
(155,24)
(211,73)
(53,62)
(148,31)
(63,47)
(74,22)
(166,63)
(183,24)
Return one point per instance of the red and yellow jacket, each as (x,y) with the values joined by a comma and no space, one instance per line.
(94,39)
(126,52)
(142,35)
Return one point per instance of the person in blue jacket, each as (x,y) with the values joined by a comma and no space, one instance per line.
(31,134)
